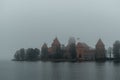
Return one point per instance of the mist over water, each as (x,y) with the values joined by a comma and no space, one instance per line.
(28,23)
(59,71)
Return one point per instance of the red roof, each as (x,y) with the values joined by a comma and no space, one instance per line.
(56,42)
(100,43)
(82,45)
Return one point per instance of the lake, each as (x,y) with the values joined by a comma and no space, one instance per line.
(13,70)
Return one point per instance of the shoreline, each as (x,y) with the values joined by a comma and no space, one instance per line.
(67,60)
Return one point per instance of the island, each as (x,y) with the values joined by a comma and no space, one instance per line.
(72,52)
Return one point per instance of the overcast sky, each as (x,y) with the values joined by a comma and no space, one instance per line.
(30,23)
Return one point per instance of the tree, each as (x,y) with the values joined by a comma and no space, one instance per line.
(44,51)
(36,53)
(71,40)
(72,50)
(16,55)
(72,47)
(116,50)
(63,49)
(22,54)
(109,52)
(32,54)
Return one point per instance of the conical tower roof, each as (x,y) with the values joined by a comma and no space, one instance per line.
(100,43)
(56,42)
(44,45)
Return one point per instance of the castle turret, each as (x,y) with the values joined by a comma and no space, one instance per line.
(56,48)
(100,51)
(100,44)
(44,51)
(56,43)
(44,45)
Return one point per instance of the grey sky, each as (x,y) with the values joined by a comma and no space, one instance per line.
(30,23)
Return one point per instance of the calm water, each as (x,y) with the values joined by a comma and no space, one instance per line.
(10,70)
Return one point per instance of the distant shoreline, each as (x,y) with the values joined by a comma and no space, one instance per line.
(67,60)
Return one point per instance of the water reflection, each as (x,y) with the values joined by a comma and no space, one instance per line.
(59,71)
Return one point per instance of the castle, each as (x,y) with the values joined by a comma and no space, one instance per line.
(82,51)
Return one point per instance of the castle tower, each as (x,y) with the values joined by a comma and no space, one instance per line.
(79,50)
(44,45)
(44,51)
(56,48)
(56,43)
(100,51)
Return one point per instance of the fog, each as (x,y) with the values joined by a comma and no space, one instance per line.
(30,23)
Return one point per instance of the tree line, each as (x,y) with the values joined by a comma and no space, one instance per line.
(116,51)
(29,54)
